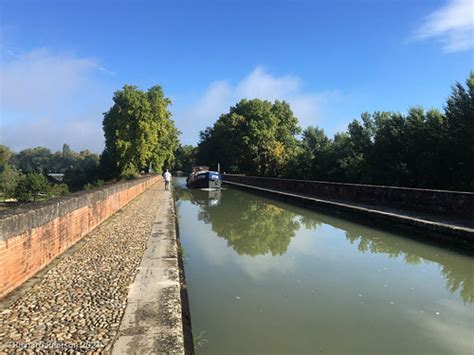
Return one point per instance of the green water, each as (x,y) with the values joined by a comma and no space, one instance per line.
(266,277)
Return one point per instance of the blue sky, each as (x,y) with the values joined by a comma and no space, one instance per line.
(61,61)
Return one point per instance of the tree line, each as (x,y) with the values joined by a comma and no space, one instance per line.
(422,148)
(140,137)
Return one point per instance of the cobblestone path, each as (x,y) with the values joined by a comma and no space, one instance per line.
(78,304)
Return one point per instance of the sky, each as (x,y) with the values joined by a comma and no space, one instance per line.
(61,61)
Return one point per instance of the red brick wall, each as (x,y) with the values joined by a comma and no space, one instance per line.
(23,255)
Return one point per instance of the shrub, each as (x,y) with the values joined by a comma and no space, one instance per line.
(129,174)
(99,183)
(93,185)
(59,190)
(32,187)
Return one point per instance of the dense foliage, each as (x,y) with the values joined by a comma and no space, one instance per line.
(139,132)
(34,187)
(185,158)
(431,149)
(25,176)
(42,159)
(9,178)
(255,137)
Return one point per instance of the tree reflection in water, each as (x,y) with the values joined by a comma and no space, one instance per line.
(251,226)
(255,226)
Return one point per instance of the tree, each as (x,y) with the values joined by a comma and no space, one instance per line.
(139,131)
(424,148)
(5,155)
(459,133)
(429,149)
(388,159)
(9,178)
(312,160)
(185,158)
(255,137)
(32,160)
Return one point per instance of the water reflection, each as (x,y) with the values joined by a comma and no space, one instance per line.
(456,269)
(205,197)
(254,226)
(251,227)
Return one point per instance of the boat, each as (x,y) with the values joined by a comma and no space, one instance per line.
(203,178)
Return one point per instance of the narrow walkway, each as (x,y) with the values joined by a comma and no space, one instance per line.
(79,302)
(152,323)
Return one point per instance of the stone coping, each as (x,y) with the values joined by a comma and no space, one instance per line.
(352,184)
(23,218)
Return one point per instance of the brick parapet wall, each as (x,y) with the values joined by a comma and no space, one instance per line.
(440,202)
(33,235)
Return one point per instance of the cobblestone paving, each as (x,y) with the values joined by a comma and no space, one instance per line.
(78,305)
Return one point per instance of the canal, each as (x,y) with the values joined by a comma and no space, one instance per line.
(265,277)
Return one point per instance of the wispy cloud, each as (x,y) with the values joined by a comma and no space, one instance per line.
(81,132)
(50,98)
(220,95)
(39,79)
(452,25)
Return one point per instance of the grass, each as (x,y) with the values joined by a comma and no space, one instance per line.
(199,340)
(183,254)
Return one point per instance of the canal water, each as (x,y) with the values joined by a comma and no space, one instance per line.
(265,277)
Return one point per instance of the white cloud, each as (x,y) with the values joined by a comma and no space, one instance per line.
(263,85)
(40,79)
(51,98)
(452,25)
(217,95)
(79,133)
(259,83)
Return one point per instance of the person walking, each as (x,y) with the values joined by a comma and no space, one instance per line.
(167,177)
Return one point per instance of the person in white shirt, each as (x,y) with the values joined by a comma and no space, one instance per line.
(167,177)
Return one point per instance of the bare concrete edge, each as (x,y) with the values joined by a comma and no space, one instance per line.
(185,306)
(459,237)
(152,322)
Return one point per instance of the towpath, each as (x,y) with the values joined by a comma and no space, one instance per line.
(77,304)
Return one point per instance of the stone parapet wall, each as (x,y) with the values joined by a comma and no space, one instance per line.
(33,235)
(440,202)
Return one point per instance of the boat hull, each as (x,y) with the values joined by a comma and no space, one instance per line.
(207,180)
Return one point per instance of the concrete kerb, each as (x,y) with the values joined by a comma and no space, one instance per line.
(458,237)
(152,322)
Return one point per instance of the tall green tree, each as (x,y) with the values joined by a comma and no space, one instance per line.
(254,137)
(138,131)
(459,133)
(312,161)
